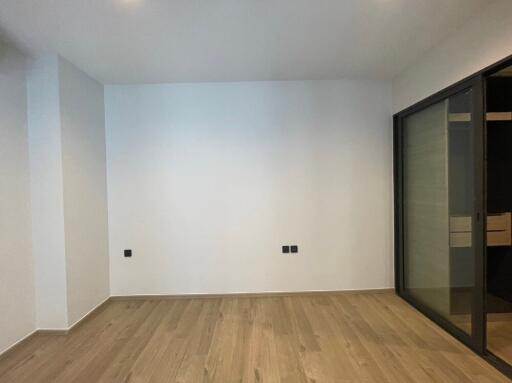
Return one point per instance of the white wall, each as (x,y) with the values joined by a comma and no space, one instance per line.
(484,40)
(17,300)
(69,196)
(207,181)
(85,190)
(47,192)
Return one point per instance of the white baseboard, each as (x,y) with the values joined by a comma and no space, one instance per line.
(65,331)
(17,343)
(248,294)
(54,331)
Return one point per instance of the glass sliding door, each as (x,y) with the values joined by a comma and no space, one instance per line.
(440,229)
(425,204)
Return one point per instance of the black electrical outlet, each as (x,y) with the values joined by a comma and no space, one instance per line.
(294,248)
(286,249)
(128,253)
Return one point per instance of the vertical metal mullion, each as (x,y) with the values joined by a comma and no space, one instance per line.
(398,208)
(479,143)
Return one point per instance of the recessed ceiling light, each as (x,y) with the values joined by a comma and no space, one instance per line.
(130,2)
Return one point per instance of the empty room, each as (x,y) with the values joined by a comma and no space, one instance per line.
(252,191)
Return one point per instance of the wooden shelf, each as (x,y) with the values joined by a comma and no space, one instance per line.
(491,116)
(459,117)
(499,116)
(499,230)
(461,232)
(507,72)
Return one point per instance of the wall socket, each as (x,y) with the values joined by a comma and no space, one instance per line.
(128,253)
(287,249)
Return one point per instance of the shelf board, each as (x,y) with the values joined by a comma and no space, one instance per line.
(491,116)
(507,72)
(459,117)
(499,116)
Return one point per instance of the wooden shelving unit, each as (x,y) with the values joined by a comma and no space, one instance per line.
(499,230)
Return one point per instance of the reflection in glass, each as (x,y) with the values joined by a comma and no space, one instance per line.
(438,207)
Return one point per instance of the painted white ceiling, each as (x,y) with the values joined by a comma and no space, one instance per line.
(147,41)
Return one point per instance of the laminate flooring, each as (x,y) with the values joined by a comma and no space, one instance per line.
(339,337)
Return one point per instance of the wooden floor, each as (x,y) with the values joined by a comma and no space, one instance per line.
(499,335)
(370,337)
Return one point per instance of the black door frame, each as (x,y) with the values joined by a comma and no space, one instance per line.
(477,341)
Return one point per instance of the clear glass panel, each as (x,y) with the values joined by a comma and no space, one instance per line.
(438,206)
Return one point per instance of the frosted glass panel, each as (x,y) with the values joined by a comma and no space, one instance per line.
(438,208)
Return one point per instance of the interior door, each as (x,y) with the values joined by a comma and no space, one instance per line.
(439,217)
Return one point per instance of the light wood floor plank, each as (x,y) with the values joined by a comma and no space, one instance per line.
(336,338)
